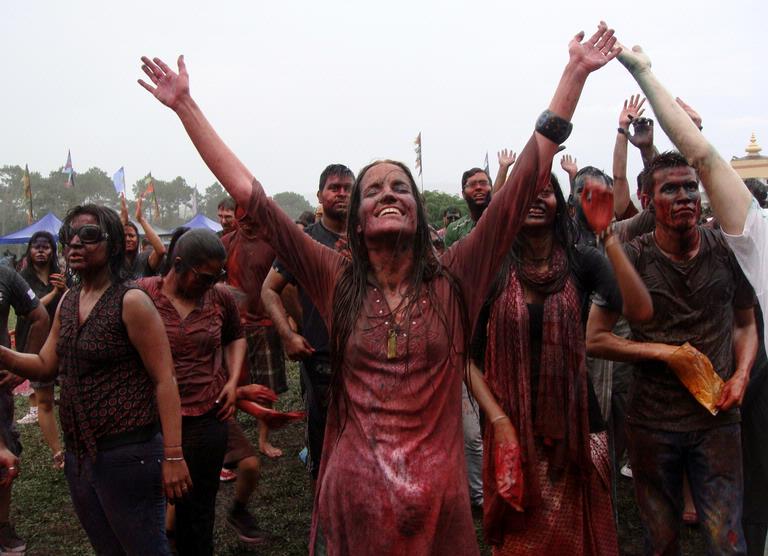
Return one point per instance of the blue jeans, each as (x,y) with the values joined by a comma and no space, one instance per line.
(119,498)
(473,446)
(712,460)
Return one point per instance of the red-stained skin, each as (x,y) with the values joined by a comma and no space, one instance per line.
(597,204)
(335,196)
(541,212)
(509,473)
(386,186)
(81,256)
(477,192)
(131,239)
(676,198)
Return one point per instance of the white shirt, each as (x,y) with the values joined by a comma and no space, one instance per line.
(751,250)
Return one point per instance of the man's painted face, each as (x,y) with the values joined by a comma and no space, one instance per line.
(226,219)
(387,205)
(335,196)
(477,191)
(676,197)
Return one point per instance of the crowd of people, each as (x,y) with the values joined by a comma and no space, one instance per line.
(510,365)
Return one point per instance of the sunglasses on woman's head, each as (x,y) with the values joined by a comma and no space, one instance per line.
(89,233)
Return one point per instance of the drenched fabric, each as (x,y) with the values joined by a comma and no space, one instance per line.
(392,473)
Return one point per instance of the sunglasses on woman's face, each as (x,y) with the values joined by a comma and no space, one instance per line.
(89,233)
(208,279)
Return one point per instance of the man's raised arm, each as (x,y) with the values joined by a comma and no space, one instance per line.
(729,197)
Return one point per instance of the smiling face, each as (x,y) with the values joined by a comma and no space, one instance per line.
(387,203)
(541,212)
(131,239)
(85,256)
(477,191)
(676,197)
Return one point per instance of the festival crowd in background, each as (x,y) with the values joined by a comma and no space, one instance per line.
(509,366)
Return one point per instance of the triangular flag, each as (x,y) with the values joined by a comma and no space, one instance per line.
(27,193)
(118,180)
(70,171)
(487,167)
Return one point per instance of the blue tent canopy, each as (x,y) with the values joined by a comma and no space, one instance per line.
(202,221)
(48,223)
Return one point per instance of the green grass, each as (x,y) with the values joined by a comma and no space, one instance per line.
(44,516)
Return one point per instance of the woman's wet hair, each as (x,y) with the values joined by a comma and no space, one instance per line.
(351,288)
(53,262)
(110,224)
(196,247)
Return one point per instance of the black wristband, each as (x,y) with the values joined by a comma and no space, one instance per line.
(622,131)
(553,127)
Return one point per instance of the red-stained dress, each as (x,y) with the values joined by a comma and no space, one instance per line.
(392,477)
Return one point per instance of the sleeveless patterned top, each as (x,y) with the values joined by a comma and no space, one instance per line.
(105,389)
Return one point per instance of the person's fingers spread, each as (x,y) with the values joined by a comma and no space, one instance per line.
(606,41)
(151,65)
(641,103)
(152,77)
(609,46)
(162,65)
(596,37)
(579,36)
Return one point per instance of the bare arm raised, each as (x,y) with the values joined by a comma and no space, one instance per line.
(529,175)
(728,195)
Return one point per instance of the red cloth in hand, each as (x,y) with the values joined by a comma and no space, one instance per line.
(256,393)
(273,419)
(509,473)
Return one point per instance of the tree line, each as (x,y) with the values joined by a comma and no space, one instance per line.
(174,198)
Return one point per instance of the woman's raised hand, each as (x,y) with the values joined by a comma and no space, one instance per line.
(170,87)
(596,51)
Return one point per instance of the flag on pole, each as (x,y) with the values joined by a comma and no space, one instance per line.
(27,194)
(487,167)
(150,190)
(118,180)
(417,142)
(70,171)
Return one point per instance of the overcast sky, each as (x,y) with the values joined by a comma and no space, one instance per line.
(293,86)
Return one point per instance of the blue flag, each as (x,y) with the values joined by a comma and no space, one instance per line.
(119,181)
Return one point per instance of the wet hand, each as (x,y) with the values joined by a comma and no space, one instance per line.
(508,463)
(297,347)
(733,391)
(170,88)
(595,52)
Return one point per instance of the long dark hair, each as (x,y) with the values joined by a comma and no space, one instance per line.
(350,291)
(565,236)
(110,223)
(53,262)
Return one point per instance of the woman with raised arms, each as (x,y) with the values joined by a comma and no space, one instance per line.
(392,477)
